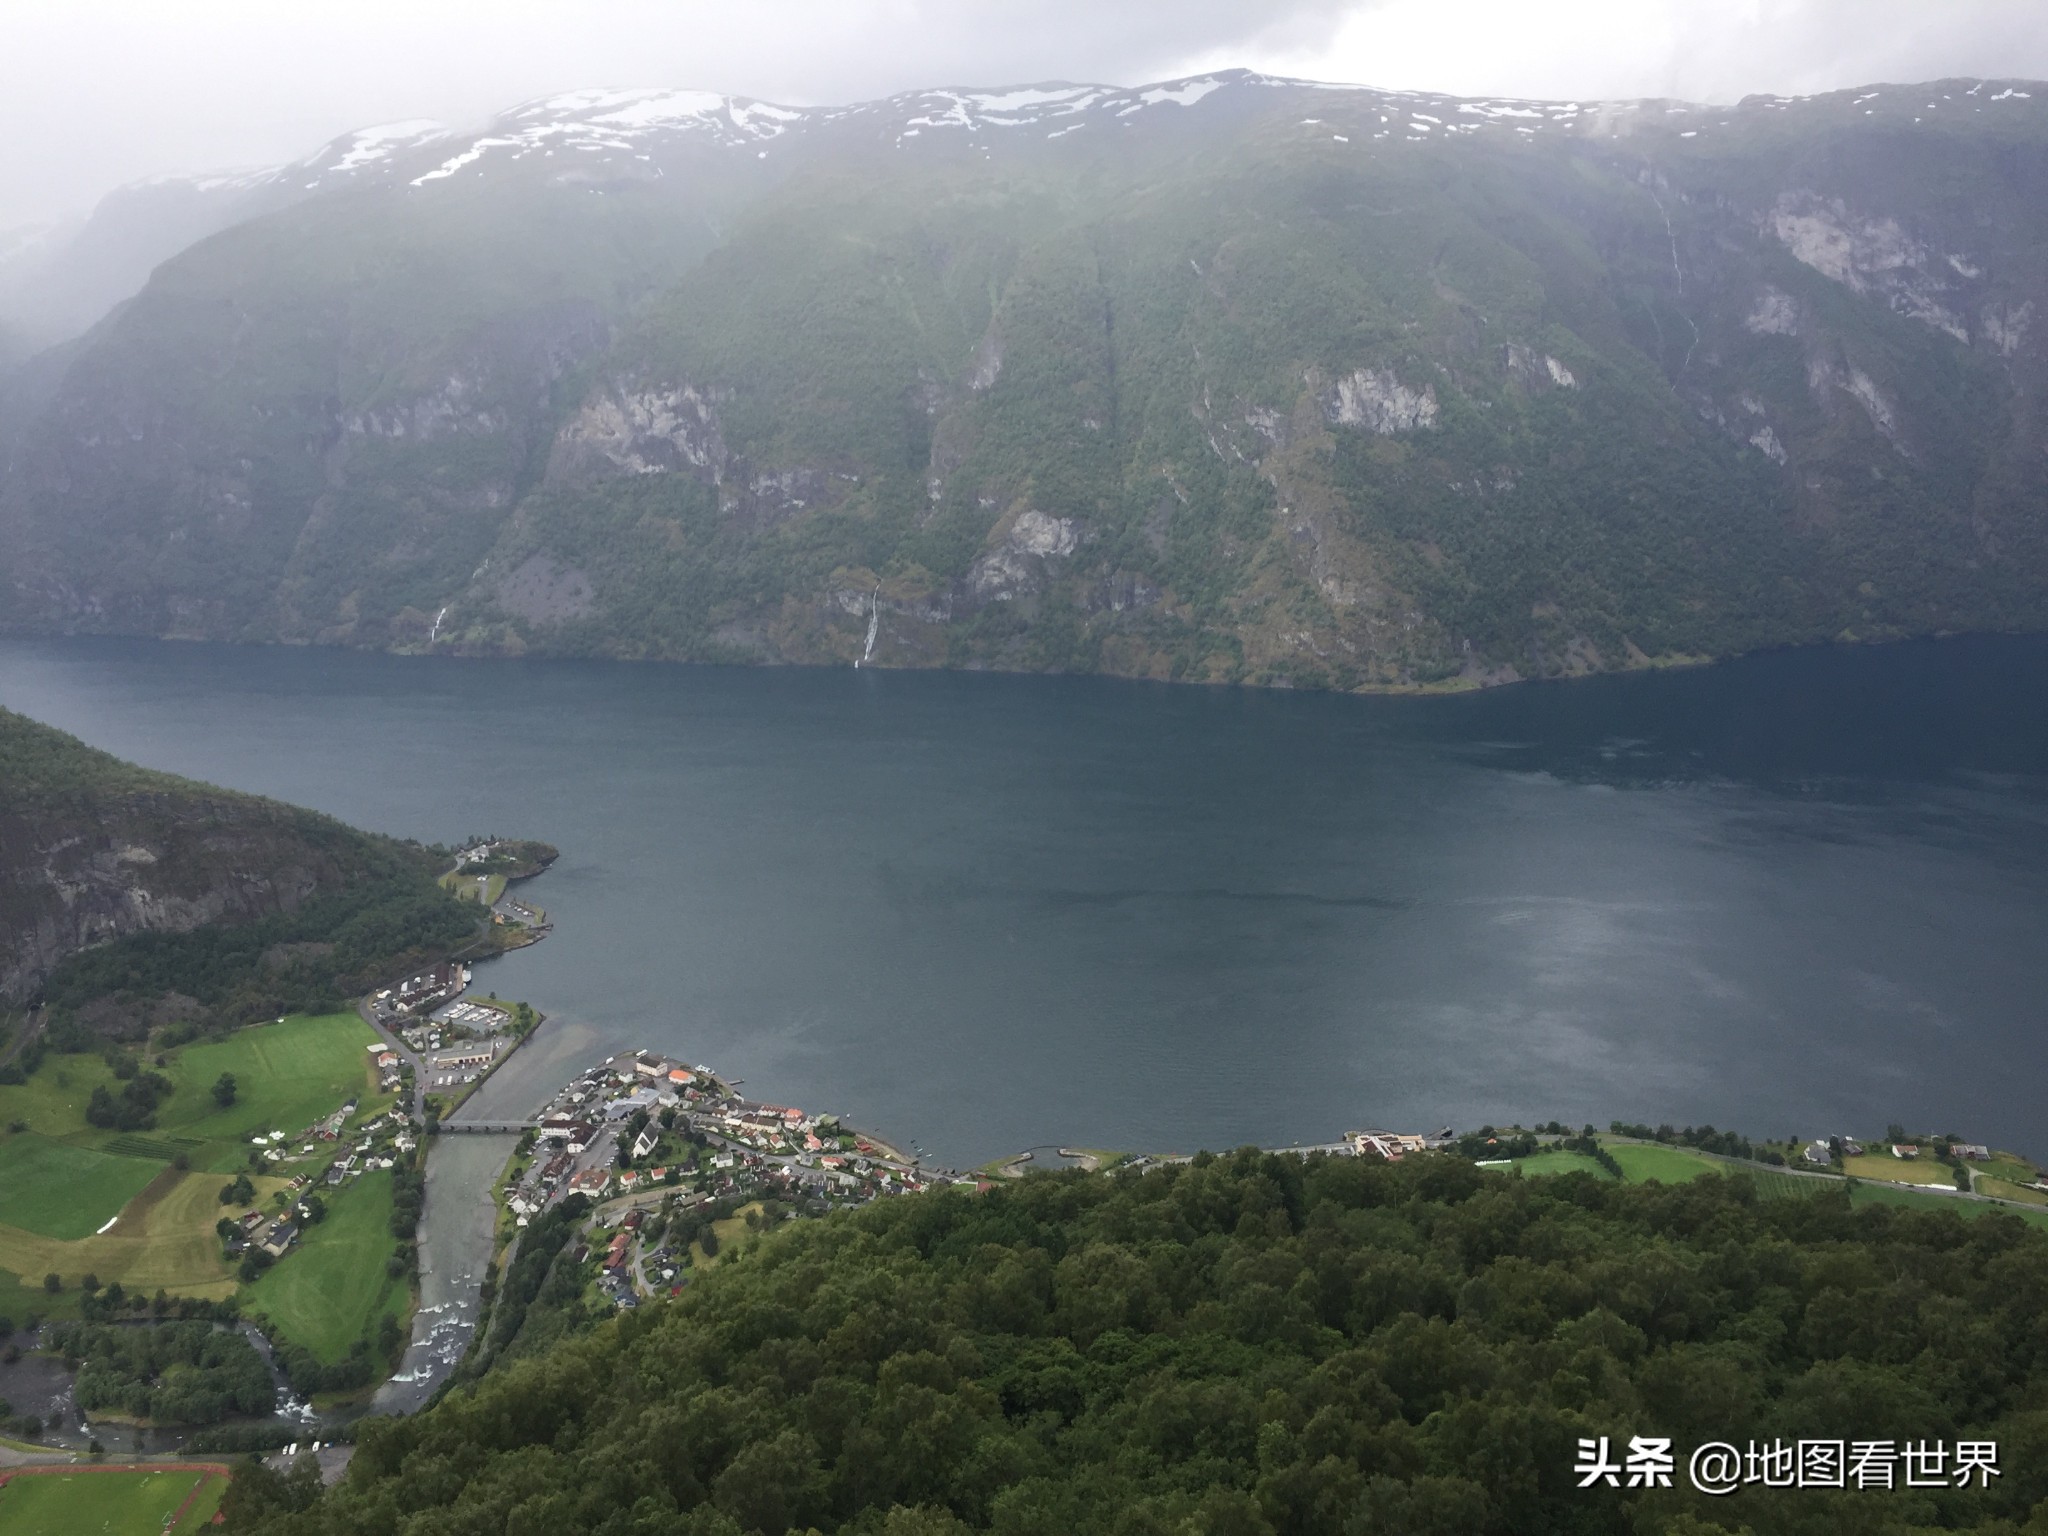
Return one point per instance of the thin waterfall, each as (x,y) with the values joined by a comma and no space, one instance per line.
(874,622)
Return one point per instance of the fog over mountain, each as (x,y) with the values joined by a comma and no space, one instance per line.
(107,92)
(1231,377)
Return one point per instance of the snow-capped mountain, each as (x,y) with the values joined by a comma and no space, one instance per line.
(61,280)
(1229,376)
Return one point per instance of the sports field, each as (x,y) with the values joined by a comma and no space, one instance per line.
(109,1502)
(164,1240)
(330,1291)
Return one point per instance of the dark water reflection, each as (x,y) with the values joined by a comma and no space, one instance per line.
(1798,893)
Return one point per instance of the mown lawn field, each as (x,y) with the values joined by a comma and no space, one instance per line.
(56,1189)
(1557,1160)
(286,1076)
(329,1291)
(1668,1165)
(106,1503)
(1899,1170)
(164,1240)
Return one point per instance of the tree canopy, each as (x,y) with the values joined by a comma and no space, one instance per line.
(1249,1343)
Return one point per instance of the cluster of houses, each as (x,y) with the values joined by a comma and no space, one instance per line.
(587,1141)
(421,993)
(1393,1145)
(271,1235)
(1822,1151)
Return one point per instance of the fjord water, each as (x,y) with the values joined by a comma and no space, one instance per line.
(1804,892)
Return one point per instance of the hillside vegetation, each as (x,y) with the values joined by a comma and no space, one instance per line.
(1249,1344)
(131,899)
(1242,379)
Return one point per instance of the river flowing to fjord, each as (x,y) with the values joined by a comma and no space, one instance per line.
(1804,892)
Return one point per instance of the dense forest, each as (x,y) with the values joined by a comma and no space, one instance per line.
(173,1373)
(1249,1344)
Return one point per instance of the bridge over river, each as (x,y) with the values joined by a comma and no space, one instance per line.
(487,1127)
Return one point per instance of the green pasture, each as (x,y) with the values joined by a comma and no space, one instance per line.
(464,886)
(2003,1165)
(53,1100)
(1641,1161)
(1919,1200)
(286,1077)
(1557,1160)
(328,1292)
(64,1191)
(104,1503)
(1899,1170)
(2005,1189)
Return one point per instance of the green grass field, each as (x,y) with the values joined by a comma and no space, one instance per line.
(63,1191)
(53,1101)
(1558,1161)
(1775,1184)
(730,1231)
(106,1503)
(286,1076)
(1899,1170)
(464,886)
(2003,1165)
(164,1240)
(1668,1165)
(332,1288)
(2005,1189)
(1919,1200)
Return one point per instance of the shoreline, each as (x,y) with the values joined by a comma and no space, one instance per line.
(1447,688)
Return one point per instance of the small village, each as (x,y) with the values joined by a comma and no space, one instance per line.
(314,1159)
(641,1133)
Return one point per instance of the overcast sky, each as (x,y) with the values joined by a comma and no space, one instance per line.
(94,93)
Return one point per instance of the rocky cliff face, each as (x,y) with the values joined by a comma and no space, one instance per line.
(92,850)
(1233,379)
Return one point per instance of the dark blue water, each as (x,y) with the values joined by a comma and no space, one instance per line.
(1801,893)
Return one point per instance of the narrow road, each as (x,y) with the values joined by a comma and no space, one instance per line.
(405,1053)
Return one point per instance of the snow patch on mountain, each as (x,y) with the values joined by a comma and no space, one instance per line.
(368,146)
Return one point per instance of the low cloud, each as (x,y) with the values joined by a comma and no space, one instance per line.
(106,91)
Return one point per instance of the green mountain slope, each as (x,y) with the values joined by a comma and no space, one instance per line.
(1236,379)
(1249,1345)
(129,896)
